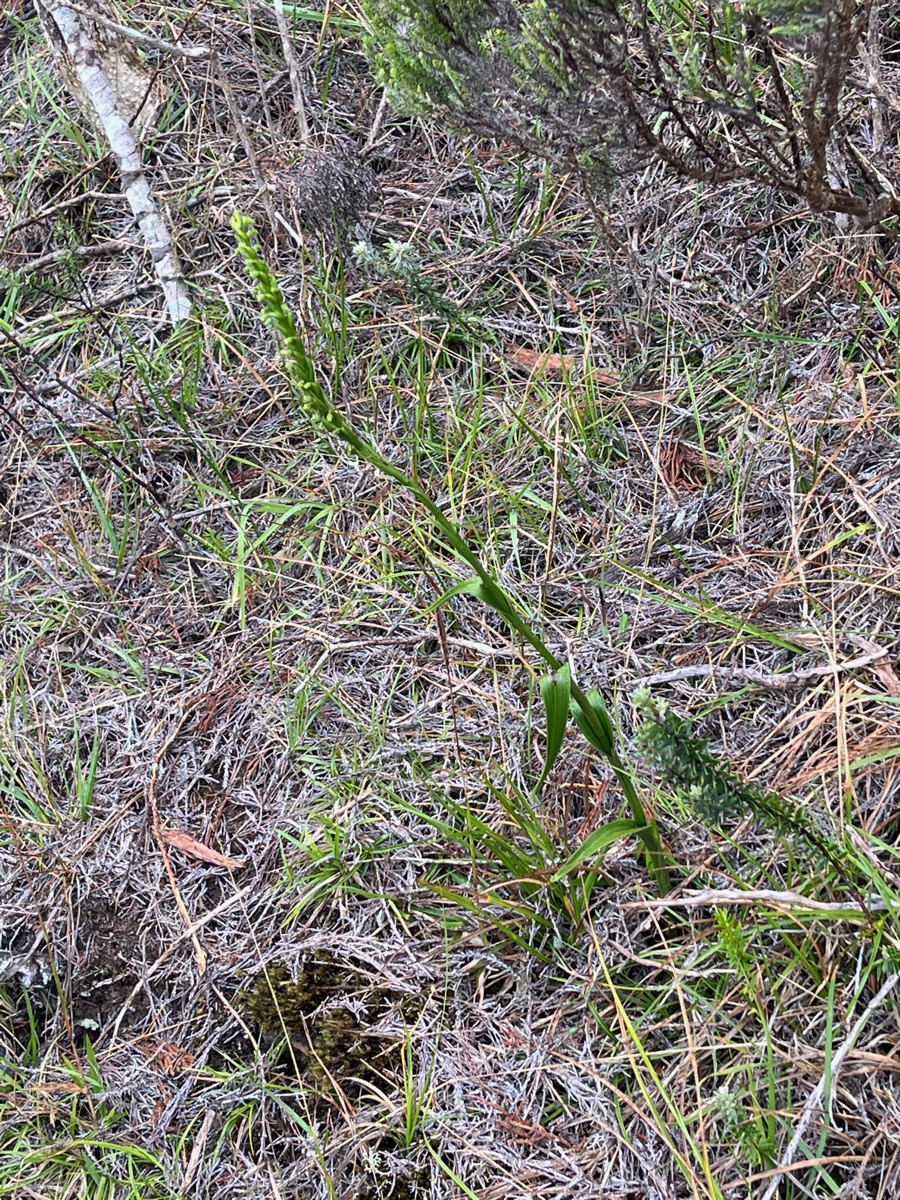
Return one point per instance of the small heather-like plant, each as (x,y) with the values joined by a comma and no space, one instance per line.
(709,783)
(758,90)
(399,261)
(560,692)
(689,767)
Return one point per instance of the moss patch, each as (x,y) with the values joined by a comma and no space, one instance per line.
(325,1016)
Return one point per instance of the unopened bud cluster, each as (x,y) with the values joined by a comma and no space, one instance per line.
(276,313)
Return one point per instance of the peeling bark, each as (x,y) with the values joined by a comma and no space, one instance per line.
(82,67)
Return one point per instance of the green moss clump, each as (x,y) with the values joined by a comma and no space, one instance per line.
(328,1038)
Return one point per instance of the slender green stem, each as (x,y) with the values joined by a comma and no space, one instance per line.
(502,603)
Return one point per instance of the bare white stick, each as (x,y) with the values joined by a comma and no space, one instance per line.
(789,679)
(716,897)
(96,84)
(814,1103)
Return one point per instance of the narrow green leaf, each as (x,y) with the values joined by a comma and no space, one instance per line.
(521,811)
(468,587)
(490,594)
(596,843)
(483,914)
(556,690)
(494,596)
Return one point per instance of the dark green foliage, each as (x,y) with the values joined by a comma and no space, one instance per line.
(709,783)
(429,54)
(500,69)
(689,767)
(719,91)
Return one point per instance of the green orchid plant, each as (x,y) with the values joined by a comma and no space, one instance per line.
(562,696)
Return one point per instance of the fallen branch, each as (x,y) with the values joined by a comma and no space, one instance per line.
(142,39)
(788,901)
(69,252)
(774,680)
(72,42)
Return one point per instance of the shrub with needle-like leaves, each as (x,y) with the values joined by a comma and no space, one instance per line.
(709,784)
(785,94)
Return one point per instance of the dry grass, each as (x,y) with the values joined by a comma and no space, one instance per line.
(214,625)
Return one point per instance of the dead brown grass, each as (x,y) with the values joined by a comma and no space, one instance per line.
(699,485)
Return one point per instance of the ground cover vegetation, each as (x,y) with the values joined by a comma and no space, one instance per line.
(450,702)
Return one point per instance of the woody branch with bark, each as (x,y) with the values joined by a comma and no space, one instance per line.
(89,56)
(774,92)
